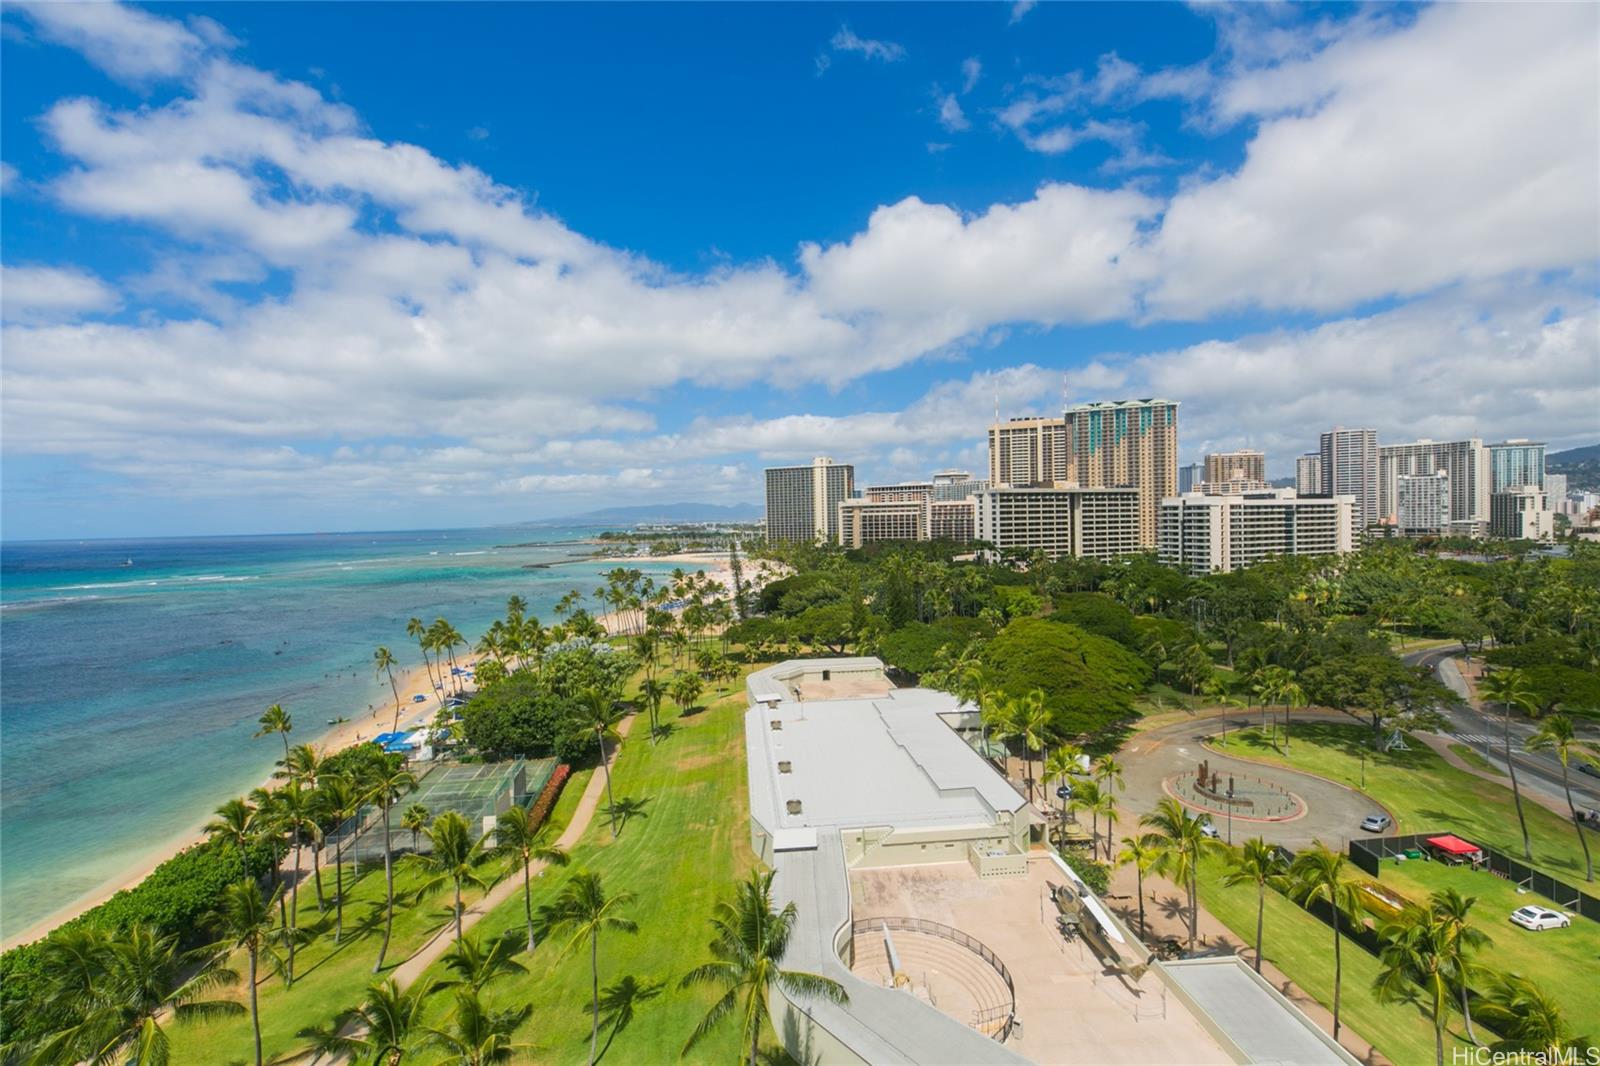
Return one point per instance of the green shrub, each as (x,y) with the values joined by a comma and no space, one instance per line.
(1097,875)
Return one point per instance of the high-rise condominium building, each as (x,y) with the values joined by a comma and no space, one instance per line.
(956,485)
(1422,503)
(1210,534)
(904,492)
(862,520)
(1131,443)
(1245,465)
(955,520)
(1466,461)
(1308,474)
(803,501)
(1555,493)
(1516,462)
(1027,451)
(1191,476)
(1097,523)
(1350,468)
(1520,513)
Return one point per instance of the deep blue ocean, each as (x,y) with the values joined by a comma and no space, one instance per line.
(134,671)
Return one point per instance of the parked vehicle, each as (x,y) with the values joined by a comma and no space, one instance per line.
(1209,830)
(1376,823)
(1539,918)
(1587,767)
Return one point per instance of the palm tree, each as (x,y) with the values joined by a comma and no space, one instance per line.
(416,819)
(473,966)
(1556,732)
(1416,954)
(235,823)
(297,810)
(1450,908)
(1292,696)
(686,688)
(653,690)
(455,857)
(583,907)
(121,987)
(276,720)
(1140,853)
(1061,766)
(383,662)
(1086,796)
(341,798)
(749,942)
(620,1000)
(1108,772)
(1025,718)
(602,715)
(271,826)
(385,788)
(1527,1017)
(1179,844)
(517,834)
(419,632)
(389,1021)
(1317,876)
(304,764)
(1510,688)
(244,920)
(474,1035)
(1261,864)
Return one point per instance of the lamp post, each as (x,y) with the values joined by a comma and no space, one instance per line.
(1230,812)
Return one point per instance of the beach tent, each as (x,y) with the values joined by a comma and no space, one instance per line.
(1453,849)
(418,698)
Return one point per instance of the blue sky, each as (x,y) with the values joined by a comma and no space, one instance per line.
(285,267)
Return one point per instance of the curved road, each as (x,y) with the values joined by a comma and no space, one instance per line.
(1333,811)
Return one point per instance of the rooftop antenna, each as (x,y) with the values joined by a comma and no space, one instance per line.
(997,405)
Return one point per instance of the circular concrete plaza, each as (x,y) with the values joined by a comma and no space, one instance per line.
(1246,796)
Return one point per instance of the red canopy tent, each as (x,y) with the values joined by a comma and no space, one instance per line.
(1454,847)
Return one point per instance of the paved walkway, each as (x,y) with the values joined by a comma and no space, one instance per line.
(1333,812)
(582,815)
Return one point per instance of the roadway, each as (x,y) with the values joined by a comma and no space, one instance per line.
(1484,732)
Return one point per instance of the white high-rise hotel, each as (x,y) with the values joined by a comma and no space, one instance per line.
(1218,534)
(1350,468)
(1466,462)
(803,501)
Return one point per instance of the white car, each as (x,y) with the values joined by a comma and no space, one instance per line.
(1376,823)
(1209,830)
(1537,918)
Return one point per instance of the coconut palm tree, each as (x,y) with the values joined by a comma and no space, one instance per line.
(653,690)
(1510,688)
(123,987)
(517,834)
(270,825)
(276,720)
(620,1000)
(1086,796)
(1107,773)
(235,824)
(602,715)
(1257,863)
(385,788)
(1415,953)
(1555,733)
(243,919)
(296,809)
(583,907)
(341,798)
(383,663)
(1291,695)
(1317,875)
(416,819)
(1141,853)
(455,857)
(1527,1018)
(472,965)
(389,1022)
(305,765)
(686,688)
(1062,765)
(1451,909)
(419,632)
(1179,844)
(749,942)
(475,1035)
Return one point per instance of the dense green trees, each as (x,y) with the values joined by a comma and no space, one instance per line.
(1088,682)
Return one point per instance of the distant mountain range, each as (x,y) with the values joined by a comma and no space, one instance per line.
(1581,465)
(661,512)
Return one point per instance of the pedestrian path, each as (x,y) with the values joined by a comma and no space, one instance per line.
(511,884)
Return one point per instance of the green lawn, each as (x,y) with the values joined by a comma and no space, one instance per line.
(1471,757)
(331,977)
(1551,957)
(1302,947)
(1424,792)
(678,860)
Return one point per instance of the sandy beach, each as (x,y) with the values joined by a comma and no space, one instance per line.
(363,725)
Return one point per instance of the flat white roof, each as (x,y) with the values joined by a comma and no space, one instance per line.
(882,760)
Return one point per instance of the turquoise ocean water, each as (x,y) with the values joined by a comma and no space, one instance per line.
(132,673)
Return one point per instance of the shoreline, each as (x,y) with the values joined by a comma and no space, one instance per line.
(332,738)
(363,725)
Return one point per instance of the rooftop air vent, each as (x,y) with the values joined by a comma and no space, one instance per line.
(785,766)
(794,806)
(777,725)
